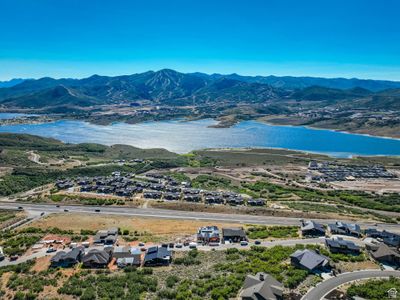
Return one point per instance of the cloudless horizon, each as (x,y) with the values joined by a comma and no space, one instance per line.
(72,38)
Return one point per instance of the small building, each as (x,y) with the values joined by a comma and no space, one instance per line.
(233,235)
(67,259)
(208,234)
(339,245)
(345,229)
(262,286)
(387,255)
(96,258)
(309,260)
(311,228)
(157,256)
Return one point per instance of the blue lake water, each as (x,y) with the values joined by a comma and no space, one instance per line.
(182,137)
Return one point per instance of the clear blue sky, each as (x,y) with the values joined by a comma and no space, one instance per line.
(77,38)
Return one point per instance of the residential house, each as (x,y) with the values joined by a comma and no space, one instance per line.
(389,238)
(208,234)
(157,256)
(256,202)
(67,259)
(262,286)
(122,252)
(311,228)
(345,229)
(96,258)
(387,255)
(233,235)
(106,237)
(339,245)
(309,260)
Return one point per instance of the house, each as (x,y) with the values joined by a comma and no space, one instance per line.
(172,196)
(371,244)
(233,235)
(309,260)
(387,255)
(157,256)
(389,238)
(107,237)
(256,202)
(96,258)
(339,245)
(262,286)
(122,252)
(208,234)
(311,228)
(345,229)
(67,259)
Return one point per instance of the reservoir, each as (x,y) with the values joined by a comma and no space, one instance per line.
(185,136)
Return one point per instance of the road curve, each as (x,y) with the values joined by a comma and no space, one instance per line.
(322,289)
(177,214)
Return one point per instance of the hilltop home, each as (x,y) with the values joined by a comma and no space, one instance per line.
(157,256)
(262,286)
(345,229)
(96,258)
(309,260)
(67,259)
(311,228)
(233,235)
(339,245)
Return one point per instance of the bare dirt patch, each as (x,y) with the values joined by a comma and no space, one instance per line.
(159,228)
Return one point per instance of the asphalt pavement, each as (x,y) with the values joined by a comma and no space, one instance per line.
(325,287)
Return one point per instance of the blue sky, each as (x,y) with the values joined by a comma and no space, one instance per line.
(76,38)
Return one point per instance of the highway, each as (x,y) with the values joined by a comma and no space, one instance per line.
(325,287)
(175,214)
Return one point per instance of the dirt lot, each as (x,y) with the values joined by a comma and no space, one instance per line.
(159,228)
(376,185)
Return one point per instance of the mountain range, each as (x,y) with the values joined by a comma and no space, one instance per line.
(169,87)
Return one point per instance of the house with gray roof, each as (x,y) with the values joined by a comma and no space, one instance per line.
(96,258)
(262,286)
(311,228)
(157,256)
(233,234)
(387,255)
(309,260)
(339,245)
(345,229)
(67,259)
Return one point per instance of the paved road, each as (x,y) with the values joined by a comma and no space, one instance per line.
(322,289)
(175,214)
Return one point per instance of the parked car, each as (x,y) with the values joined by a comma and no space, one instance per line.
(50,250)
(20,208)
(57,205)
(171,245)
(244,243)
(13,257)
(97,210)
(257,242)
(141,244)
(178,245)
(192,245)
(66,210)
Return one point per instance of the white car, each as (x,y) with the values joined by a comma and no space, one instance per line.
(244,243)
